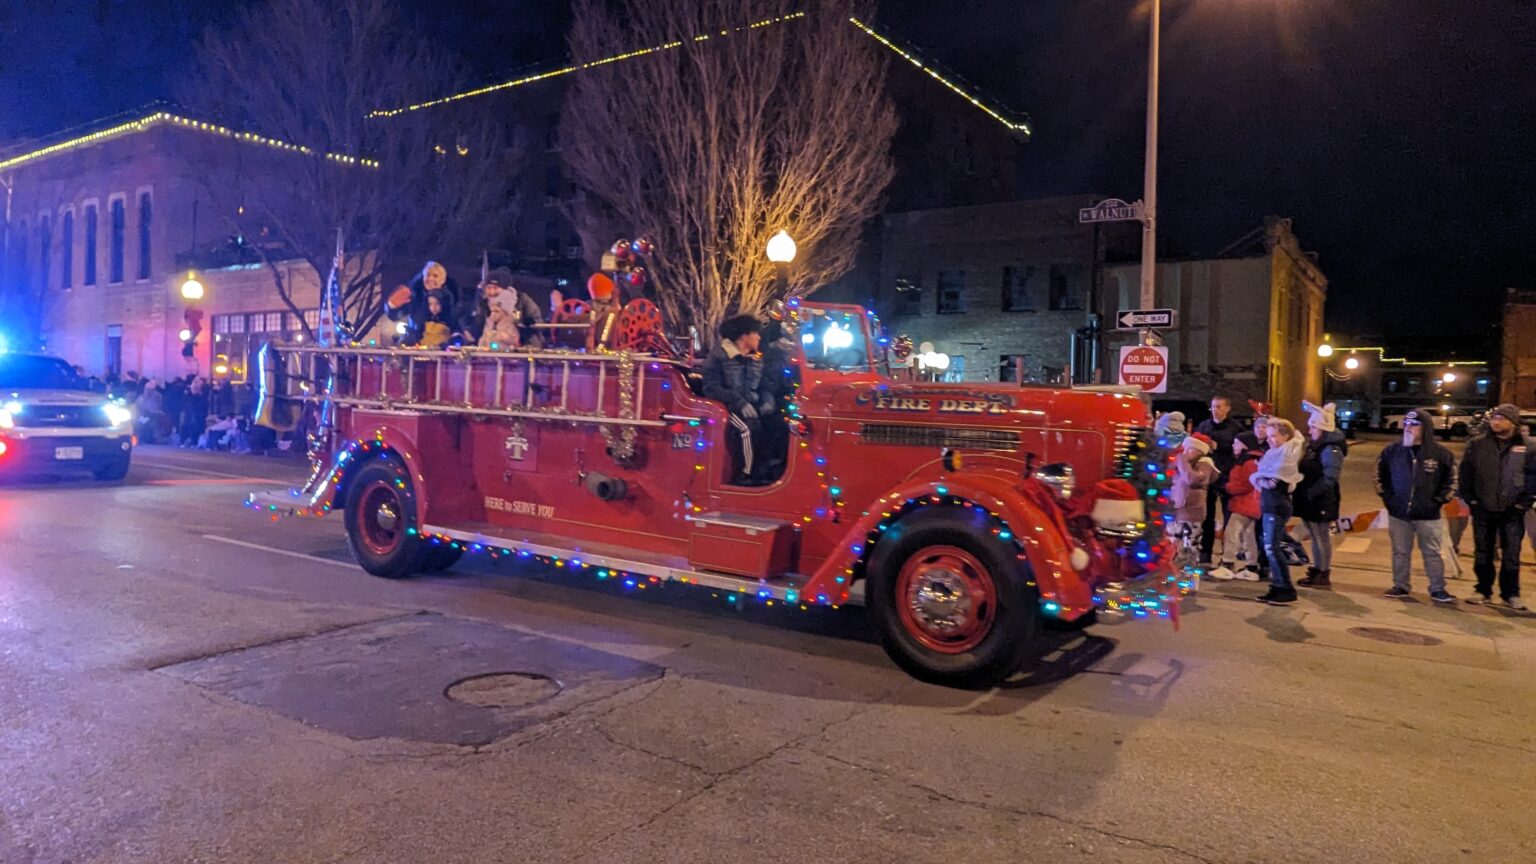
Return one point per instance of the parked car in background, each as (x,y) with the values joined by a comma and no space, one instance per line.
(1457,422)
(52,423)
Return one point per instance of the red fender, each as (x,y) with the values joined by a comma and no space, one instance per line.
(377,439)
(1047,549)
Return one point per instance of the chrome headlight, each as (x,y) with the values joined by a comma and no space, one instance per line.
(117,415)
(1058,476)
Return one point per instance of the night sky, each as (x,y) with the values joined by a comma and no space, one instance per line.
(1394,132)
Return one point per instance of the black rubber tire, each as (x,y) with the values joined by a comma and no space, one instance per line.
(1012,640)
(436,559)
(112,473)
(407,555)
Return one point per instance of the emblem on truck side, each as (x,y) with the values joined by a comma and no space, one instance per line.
(516,444)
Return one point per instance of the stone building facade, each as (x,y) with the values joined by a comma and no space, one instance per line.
(1249,324)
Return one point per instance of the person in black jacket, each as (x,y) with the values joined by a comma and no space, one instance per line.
(780,376)
(1415,479)
(733,375)
(1222,429)
(1317,496)
(1498,482)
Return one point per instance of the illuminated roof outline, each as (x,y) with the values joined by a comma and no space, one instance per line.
(1013,123)
(159,118)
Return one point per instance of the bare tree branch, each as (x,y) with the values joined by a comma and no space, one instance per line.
(714,144)
(309,72)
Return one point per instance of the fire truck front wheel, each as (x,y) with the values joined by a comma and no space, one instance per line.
(952,602)
(381,520)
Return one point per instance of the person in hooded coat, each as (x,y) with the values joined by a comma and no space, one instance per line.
(1317,496)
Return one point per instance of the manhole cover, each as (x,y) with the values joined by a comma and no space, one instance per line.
(503,689)
(1398,637)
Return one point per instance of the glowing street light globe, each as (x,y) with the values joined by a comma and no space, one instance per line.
(185,335)
(781,248)
(1352,363)
(191,289)
(1325,350)
(1448,378)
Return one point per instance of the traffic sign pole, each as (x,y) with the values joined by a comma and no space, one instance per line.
(1149,192)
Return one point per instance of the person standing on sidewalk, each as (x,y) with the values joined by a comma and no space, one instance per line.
(1275,477)
(1415,478)
(1317,498)
(1221,429)
(1498,482)
(1239,541)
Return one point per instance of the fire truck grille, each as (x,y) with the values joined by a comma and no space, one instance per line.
(1125,441)
(939,436)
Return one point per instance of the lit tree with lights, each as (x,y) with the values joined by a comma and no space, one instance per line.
(311,72)
(728,134)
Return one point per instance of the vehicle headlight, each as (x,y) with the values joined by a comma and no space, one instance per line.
(117,415)
(7,421)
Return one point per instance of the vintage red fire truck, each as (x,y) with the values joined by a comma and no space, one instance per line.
(947,509)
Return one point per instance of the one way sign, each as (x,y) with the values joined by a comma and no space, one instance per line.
(1144,319)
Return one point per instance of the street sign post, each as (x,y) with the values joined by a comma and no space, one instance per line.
(1111,210)
(1144,366)
(1145,319)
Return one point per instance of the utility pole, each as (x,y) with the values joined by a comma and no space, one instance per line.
(1149,190)
(5,244)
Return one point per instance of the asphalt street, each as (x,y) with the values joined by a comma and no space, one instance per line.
(184,680)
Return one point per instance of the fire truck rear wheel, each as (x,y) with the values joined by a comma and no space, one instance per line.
(381,520)
(951,601)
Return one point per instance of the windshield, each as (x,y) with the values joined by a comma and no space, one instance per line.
(834,340)
(24,372)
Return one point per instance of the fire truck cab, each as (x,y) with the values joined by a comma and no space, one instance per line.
(947,509)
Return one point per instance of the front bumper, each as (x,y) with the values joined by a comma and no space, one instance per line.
(56,454)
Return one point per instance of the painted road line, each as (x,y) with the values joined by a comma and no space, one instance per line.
(257,546)
(166,467)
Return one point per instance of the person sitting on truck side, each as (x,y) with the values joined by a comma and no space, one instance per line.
(408,303)
(509,314)
(733,375)
(438,330)
(1277,474)
(780,375)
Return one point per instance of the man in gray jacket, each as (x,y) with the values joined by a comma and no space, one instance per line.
(1498,482)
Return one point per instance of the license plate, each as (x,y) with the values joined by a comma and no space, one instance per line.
(62,453)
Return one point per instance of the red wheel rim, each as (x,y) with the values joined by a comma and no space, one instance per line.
(380,518)
(946,599)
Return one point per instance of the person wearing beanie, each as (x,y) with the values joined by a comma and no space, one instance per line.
(1317,496)
(1498,482)
(1195,472)
(1222,428)
(1170,428)
(1276,475)
(1242,523)
(733,375)
(1415,478)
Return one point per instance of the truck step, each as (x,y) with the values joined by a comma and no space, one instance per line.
(754,547)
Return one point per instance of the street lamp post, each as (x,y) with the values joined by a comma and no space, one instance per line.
(1149,187)
(781,251)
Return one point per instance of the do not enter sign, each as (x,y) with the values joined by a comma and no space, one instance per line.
(1145,366)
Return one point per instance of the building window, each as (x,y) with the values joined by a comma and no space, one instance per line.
(909,296)
(115,241)
(1053,374)
(90,245)
(552,182)
(274,322)
(219,324)
(145,214)
(1016,289)
(1066,287)
(114,349)
(312,318)
(67,244)
(45,257)
(1013,368)
(951,292)
(1482,386)
(19,251)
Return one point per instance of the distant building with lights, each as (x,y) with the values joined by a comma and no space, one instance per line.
(105,220)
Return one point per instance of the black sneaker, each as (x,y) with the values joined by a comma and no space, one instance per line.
(1441,597)
(1281,596)
(1397,592)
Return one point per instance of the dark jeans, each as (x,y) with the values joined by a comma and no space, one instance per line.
(1208,527)
(1274,529)
(1504,530)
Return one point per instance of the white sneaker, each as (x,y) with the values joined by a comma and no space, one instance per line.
(1515,604)
(1247,574)
(1221,574)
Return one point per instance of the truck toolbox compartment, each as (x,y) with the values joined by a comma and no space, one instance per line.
(750,546)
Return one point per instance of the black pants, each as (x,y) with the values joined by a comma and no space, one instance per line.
(1505,530)
(745,439)
(1208,527)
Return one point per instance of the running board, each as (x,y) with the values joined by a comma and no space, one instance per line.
(784,588)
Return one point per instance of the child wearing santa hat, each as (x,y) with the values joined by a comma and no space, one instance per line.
(1195,473)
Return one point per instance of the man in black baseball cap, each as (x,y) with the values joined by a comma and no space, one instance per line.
(1498,482)
(1415,478)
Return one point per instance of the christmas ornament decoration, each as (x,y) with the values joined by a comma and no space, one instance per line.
(636,278)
